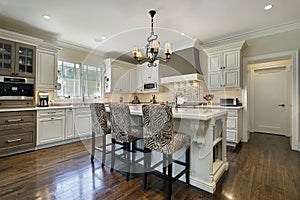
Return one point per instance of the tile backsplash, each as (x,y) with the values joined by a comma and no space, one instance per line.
(190,91)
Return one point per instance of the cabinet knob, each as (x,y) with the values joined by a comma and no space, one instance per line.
(17,74)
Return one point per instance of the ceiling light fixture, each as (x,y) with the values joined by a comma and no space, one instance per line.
(268,7)
(152,48)
(46,17)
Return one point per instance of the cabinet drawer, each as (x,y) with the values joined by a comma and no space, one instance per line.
(49,113)
(17,139)
(232,122)
(232,113)
(16,103)
(231,135)
(85,110)
(14,120)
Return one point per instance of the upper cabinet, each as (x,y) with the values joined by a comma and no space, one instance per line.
(151,74)
(224,65)
(47,67)
(17,59)
(118,76)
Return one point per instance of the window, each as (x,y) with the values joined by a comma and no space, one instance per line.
(69,78)
(92,79)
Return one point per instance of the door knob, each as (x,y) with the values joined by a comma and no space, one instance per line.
(282,105)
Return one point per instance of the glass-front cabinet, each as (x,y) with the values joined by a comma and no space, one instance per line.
(17,59)
(7,57)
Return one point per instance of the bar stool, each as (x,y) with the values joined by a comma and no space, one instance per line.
(123,133)
(99,126)
(159,136)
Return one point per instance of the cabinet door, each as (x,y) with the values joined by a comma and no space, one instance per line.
(231,60)
(83,122)
(46,70)
(120,79)
(215,62)
(133,79)
(150,73)
(69,126)
(215,80)
(231,78)
(50,129)
(7,57)
(231,135)
(25,60)
(139,79)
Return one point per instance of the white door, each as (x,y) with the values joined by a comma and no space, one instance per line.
(270,100)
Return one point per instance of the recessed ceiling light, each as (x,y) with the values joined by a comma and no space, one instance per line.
(100,39)
(268,7)
(46,17)
(182,34)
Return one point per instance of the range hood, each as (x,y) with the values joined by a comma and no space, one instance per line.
(182,78)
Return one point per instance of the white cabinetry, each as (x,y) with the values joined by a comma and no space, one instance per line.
(46,67)
(118,76)
(69,126)
(50,126)
(234,126)
(224,64)
(151,74)
(83,122)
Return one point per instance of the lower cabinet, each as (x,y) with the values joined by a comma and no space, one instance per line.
(83,122)
(50,126)
(69,124)
(17,131)
(234,126)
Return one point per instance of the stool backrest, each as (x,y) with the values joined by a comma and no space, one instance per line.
(99,118)
(157,126)
(120,122)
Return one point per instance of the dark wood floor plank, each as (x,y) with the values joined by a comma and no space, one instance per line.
(263,168)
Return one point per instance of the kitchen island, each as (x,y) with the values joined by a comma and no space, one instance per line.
(207,128)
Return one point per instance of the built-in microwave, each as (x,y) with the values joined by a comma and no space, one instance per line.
(150,87)
(15,88)
(230,102)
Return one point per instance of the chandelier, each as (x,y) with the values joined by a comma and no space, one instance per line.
(152,48)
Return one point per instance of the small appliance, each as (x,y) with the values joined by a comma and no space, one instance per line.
(43,99)
(16,88)
(150,87)
(230,102)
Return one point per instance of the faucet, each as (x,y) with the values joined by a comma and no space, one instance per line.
(175,99)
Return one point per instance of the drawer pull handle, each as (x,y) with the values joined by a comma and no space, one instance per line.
(13,120)
(15,140)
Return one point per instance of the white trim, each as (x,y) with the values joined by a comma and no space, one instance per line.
(295,93)
(254,34)
(17,37)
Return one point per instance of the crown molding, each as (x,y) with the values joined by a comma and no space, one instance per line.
(240,45)
(253,34)
(17,37)
(48,47)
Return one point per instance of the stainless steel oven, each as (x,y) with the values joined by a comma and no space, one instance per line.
(16,88)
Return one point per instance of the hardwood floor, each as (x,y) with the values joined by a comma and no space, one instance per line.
(263,168)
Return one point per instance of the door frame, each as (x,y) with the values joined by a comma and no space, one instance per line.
(294,56)
(251,91)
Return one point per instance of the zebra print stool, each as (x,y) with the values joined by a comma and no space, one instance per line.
(99,126)
(125,134)
(159,136)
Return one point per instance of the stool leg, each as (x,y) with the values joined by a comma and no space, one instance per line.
(104,149)
(93,147)
(147,166)
(113,151)
(187,162)
(164,164)
(169,177)
(127,149)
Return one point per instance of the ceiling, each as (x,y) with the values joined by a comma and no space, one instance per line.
(126,23)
